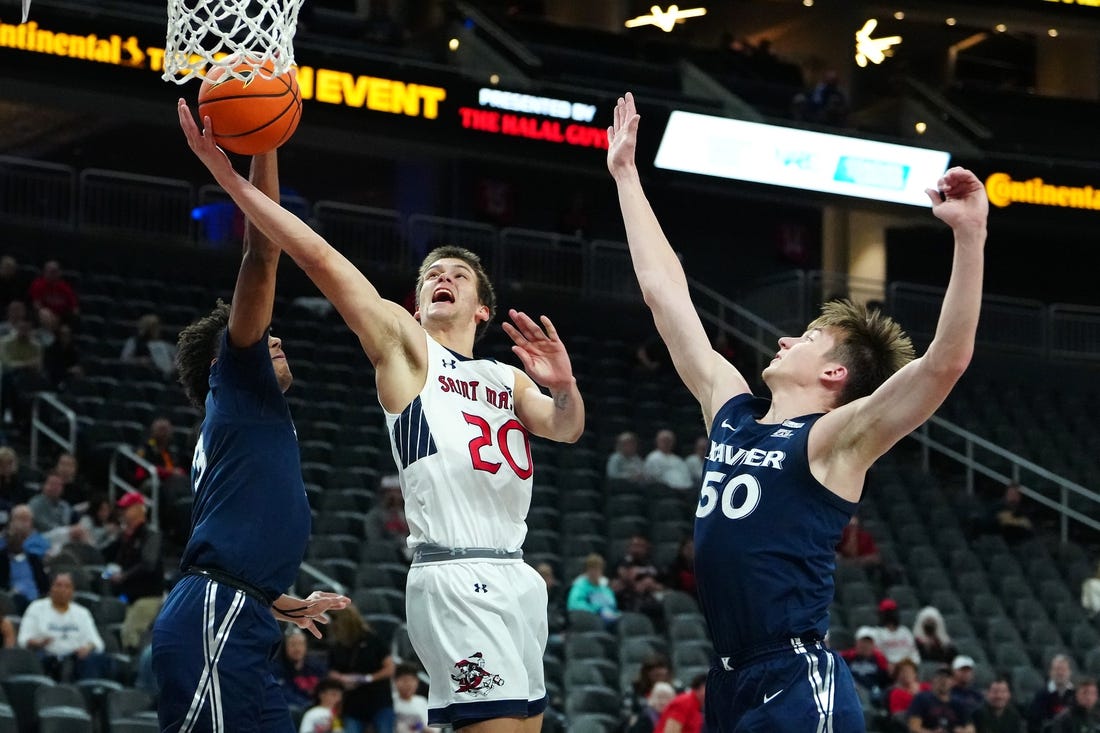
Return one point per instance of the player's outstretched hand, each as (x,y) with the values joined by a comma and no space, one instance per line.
(306,613)
(202,142)
(959,200)
(622,136)
(541,351)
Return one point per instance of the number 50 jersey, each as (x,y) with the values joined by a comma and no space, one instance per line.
(463,456)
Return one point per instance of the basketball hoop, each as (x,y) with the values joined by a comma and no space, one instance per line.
(245,37)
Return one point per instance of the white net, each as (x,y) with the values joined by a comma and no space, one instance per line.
(245,37)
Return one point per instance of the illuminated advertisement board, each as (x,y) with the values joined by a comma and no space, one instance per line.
(802,159)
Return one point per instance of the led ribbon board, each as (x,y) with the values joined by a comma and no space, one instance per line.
(811,161)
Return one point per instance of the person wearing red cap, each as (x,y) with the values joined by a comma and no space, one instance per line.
(139,580)
(896,642)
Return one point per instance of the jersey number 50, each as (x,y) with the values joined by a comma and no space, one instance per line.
(709,499)
(485,440)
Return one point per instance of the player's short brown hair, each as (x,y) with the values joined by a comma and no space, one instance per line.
(485,292)
(196,348)
(869,343)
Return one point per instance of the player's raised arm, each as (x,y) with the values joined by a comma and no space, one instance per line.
(254,295)
(711,379)
(909,397)
(545,362)
(384,328)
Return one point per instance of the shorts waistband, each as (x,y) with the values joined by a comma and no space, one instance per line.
(429,553)
(751,655)
(220,576)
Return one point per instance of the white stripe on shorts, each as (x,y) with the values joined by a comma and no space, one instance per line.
(213,644)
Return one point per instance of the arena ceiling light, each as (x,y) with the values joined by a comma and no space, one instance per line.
(873,50)
(666,20)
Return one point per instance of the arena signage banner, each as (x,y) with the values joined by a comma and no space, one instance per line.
(1004,191)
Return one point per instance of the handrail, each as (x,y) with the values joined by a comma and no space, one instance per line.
(499,35)
(945,105)
(40,426)
(316,574)
(114,479)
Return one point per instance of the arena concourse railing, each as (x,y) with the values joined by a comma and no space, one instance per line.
(51,420)
(117,480)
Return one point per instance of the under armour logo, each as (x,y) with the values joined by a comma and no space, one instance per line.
(451,364)
(480,588)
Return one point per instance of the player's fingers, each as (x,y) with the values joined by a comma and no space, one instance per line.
(523,356)
(550,330)
(933,196)
(529,328)
(513,333)
(312,628)
(630,103)
(610,135)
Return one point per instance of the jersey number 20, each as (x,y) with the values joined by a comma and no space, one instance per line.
(485,440)
(715,481)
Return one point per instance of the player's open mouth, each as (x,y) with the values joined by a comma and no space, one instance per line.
(442,295)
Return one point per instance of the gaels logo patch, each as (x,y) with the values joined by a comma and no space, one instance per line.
(470,676)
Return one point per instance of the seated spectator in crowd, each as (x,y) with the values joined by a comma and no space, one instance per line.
(637,555)
(360,658)
(21,359)
(386,522)
(160,449)
(857,547)
(74,489)
(410,709)
(555,600)
(680,575)
(653,670)
(592,592)
(22,565)
(1090,594)
(894,640)
(684,714)
(64,634)
(51,290)
(54,517)
(13,283)
(997,714)
(61,359)
(962,683)
(1083,714)
(1012,517)
(139,581)
(652,355)
(664,466)
(906,686)
(867,664)
(324,716)
(13,479)
(99,523)
(147,347)
(934,710)
(14,313)
(45,329)
(930,632)
(295,672)
(825,104)
(659,698)
(698,457)
(624,463)
(1054,697)
(641,594)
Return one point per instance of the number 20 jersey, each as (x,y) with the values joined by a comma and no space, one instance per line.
(766,531)
(463,456)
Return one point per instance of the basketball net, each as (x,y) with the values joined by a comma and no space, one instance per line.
(245,37)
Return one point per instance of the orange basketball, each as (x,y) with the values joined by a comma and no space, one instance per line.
(254,117)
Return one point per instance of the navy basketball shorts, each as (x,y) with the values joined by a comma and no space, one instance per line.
(792,688)
(212,651)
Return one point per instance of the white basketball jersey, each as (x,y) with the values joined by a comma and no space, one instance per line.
(463,456)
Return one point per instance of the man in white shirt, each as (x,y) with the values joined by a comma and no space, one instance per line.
(64,634)
(664,466)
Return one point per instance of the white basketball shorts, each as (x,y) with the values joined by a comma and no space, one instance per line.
(479,628)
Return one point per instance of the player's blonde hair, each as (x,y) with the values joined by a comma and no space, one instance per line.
(868,342)
(485,292)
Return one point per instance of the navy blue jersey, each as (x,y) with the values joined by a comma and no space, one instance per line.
(765,531)
(250,518)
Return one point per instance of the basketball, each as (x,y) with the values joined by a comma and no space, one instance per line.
(254,117)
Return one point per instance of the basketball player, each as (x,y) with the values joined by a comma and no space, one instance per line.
(250,522)
(783,476)
(459,430)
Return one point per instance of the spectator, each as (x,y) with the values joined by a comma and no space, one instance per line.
(13,479)
(22,569)
(160,450)
(13,283)
(1083,716)
(653,670)
(868,665)
(825,104)
(555,600)
(681,573)
(624,463)
(295,672)
(14,313)
(61,359)
(386,522)
(857,547)
(652,355)
(591,592)
(45,333)
(894,640)
(906,686)
(53,516)
(962,684)
(99,522)
(724,347)
(51,290)
(410,710)
(664,466)
(361,661)
(74,489)
(1090,594)
(934,711)
(930,633)
(698,457)
(1012,517)
(637,556)
(139,580)
(1052,698)
(64,634)
(642,594)
(685,713)
(997,714)
(324,717)
(21,359)
(147,347)
(659,698)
